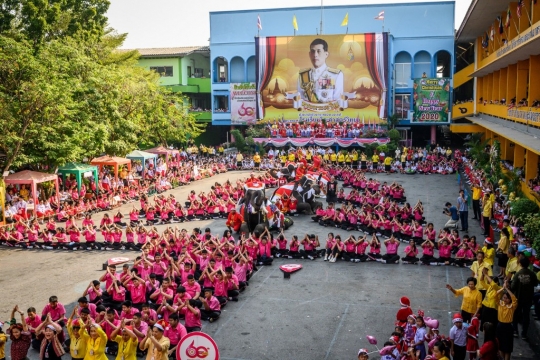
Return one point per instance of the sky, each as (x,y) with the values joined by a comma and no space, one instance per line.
(170,23)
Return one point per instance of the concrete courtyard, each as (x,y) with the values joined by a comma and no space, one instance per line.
(324,311)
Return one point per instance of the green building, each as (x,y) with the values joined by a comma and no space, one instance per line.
(185,70)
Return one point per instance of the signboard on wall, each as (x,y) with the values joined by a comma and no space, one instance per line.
(322,77)
(243,102)
(431,100)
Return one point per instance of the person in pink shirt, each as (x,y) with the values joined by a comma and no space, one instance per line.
(391,256)
(32,321)
(164,292)
(445,252)
(374,253)
(211,310)
(118,294)
(56,311)
(166,309)
(192,287)
(108,278)
(193,316)
(149,315)
(361,246)
(427,253)
(464,256)
(109,324)
(128,311)
(140,327)
(94,292)
(137,291)
(349,252)
(411,254)
(84,304)
(159,267)
(232,284)
(175,332)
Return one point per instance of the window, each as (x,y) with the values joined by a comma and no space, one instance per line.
(402,105)
(199,73)
(163,71)
(189,71)
(221,103)
(403,74)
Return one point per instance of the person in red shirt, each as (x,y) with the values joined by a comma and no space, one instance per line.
(234,221)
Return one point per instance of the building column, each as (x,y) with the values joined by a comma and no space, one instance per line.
(509,151)
(531,167)
(433,134)
(504,144)
(519,156)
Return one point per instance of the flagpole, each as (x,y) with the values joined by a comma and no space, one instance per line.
(384,16)
(528,16)
(321,16)
(514,21)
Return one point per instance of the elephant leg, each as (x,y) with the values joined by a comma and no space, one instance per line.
(314,205)
(259,228)
(244,229)
(304,208)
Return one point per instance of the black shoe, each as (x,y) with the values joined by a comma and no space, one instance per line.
(524,337)
(516,334)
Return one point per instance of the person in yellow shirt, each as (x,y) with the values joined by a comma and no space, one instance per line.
(491,300)
(239,159)
(506,225)
(326,156)
(157,344)
(487,207)
(127,343)
(512,266)
(221,150)
(257,161)
(363,161)
(387,164)
(3,340)
(292,156)
(309,155)
(403,160)
(283,159)
(375,160)
(505,314)
(78,338)
(502,249)
(477,269)
(489,251)
(96,342)
(476,196)
(348,159)
(341,158)
(355,159)
(333,158)
(472,299)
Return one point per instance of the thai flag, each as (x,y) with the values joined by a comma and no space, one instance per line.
(283,190)
(259,23)
(380,16)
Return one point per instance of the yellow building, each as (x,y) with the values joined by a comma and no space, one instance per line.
(497,80)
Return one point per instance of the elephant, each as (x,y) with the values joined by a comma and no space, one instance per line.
(287,172)
(254,212)
(304,192)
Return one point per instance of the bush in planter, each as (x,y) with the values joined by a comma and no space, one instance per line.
(531,225)
(522,207)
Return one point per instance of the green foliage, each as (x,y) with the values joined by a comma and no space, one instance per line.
(394,135)
(239,141)
(393,120)
(41,21)
(382,148)
(531,225)
(258,131)
(477,149)
(513,183)
(74,99)
(522,207)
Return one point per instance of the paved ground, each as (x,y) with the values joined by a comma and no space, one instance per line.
(323,312)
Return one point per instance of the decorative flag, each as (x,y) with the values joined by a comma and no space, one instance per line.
(508,17)
(259,23)
(485,41)
(345,21)
(492,32)
(501,28)
(380,16)
(519,6)
(294,23)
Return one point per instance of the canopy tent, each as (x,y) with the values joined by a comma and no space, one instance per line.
(79,170)
(161,150)
(32,178)
(142,156)
(114,161)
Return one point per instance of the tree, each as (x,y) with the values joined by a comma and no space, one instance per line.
(41,21)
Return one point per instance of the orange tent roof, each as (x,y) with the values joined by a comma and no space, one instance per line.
(110,160)
(161,150)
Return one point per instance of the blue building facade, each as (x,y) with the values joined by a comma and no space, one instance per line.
(421,44)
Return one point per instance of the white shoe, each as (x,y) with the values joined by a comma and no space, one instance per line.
(333,260)
(326,257)
(311,257)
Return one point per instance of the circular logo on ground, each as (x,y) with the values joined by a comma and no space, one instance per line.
(290,267)
(117,260)
(196,346)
